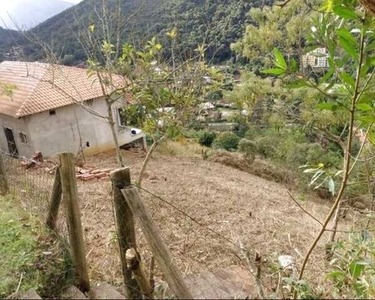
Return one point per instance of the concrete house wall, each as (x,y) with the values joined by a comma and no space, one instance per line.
(62,129)
(17,126)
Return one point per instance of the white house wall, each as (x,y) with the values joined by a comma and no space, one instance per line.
(52,134)
(17,126)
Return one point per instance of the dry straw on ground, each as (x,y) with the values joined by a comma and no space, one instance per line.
(241,207)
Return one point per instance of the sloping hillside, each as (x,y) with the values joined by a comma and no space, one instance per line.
(241,207)
(215,23)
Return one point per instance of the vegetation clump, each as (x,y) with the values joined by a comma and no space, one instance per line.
(206,138)
(30,256)
(227,141)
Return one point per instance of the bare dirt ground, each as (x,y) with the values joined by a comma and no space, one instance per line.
(241,207)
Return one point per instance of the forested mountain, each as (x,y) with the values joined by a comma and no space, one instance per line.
(214,23)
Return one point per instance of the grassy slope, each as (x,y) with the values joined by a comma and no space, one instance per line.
(29,255)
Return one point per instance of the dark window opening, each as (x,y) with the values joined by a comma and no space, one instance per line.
(52,112)
(89,102)
(121,117)
(12,146)
(23,137)
(87,144)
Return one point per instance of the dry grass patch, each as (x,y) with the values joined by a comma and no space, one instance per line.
(239,206)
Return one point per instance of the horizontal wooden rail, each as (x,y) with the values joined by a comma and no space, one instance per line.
(158,247)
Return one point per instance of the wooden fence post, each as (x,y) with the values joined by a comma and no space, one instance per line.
(55,200)
(158,247)
(134,263)
(4,188)
(73,215)
(125,228)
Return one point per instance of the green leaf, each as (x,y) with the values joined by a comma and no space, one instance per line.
(327,6)
(348,47)
(279,59)
(371,137)
(298,84)
(346,78)
(345,12)
(336,275)
(345,34)
(360,290)
(367,119)
(356,269)
(327,106)
(293,65)
(310,170)
(370,46)
(327,76)
(367,98)
(276,71)
(364,107)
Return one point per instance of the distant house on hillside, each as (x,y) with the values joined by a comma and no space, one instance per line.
(317,58)
(55,109)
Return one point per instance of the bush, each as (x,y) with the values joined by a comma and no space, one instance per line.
(206,138)
(248,148)
(242,129)
(191,134)
(227,141)
(266,146)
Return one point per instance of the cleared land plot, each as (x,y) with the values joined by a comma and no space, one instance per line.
(241,207)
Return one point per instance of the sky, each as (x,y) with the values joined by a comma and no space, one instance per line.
(6,5)
(26,19)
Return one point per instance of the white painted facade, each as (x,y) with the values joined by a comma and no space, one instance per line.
(65,129)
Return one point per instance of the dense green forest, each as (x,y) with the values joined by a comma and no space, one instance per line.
(214,24)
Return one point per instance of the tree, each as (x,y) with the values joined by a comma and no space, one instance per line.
(346,30)
(275,26)
(166,93)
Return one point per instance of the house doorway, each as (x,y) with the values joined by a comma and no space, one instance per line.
(12,147)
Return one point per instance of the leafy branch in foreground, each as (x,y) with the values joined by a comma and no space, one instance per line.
(7,89)
(346,30)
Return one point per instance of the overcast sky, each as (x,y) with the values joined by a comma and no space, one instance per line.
(26,17)
(7,5)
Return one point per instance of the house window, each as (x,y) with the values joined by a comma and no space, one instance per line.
(52,112)
(89,103)
(23,137)
(121,117)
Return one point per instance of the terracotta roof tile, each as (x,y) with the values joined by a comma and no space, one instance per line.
(41,87)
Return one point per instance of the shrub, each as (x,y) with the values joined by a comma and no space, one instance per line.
(266,146)
(227,141)
(296,155)
(191,134)
(253,132)
(206,138)
(242,129)
(248,148)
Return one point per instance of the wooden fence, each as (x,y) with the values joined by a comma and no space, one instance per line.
(128,205)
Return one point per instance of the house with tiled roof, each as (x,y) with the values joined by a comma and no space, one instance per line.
(316,59)
(53,109)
